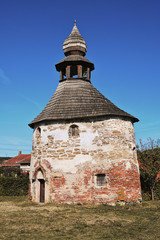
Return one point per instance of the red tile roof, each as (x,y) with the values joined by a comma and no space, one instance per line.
(27,159)
(15,161)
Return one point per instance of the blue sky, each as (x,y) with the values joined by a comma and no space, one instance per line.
(123,40)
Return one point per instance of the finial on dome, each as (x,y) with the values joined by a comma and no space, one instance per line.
(74,44)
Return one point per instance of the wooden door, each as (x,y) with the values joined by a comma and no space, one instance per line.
(42,190)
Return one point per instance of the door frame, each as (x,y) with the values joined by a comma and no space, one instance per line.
(42,191)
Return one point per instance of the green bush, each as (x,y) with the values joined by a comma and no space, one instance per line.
(13,182)
(10,171)
(157,191)
(146,194)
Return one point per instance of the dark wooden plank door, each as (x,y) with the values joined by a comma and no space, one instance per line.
(42,190)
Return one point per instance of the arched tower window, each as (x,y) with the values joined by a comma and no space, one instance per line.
(38,132)
(73,131)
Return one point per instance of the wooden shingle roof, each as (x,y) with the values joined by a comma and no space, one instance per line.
(74,59)
(77,99)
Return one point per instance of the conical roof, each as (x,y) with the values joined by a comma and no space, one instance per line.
(75,42)
(77,99)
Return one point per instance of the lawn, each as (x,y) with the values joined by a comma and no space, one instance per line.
(21,219)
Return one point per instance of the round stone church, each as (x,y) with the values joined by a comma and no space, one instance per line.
(83,145)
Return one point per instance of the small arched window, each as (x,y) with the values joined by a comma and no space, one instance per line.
(38,132)
(73,131)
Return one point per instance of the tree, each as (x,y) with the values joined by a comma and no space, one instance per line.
(149,161)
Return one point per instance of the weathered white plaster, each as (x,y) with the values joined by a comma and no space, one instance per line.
(60,134)
(128,165)
(40,175)
(71,165)
(87,139)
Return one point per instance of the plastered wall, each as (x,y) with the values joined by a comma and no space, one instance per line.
(70,164)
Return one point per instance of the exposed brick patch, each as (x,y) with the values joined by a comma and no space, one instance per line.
(36,164)
(47,164)
(58,182)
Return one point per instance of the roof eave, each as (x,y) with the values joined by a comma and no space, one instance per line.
(130,118)
(62,64)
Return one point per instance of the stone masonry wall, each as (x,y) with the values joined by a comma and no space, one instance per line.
(70,164)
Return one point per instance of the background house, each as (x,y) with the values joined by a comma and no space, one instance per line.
(21,161)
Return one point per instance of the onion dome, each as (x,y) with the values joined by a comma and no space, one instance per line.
(75,44)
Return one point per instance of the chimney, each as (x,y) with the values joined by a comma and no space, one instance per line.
(20,152)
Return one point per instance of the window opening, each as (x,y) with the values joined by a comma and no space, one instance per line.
(38,132)
(101,181)
(73,131)
(84,72)
(64,73)
(74,72)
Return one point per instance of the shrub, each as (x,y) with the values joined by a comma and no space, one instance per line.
(13,182)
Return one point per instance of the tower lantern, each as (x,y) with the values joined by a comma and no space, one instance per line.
(75,65)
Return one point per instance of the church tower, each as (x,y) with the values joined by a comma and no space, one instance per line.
(83,145)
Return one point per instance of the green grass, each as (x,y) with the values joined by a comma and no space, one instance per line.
(21,219)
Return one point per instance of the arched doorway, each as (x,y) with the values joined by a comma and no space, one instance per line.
(42,190)
(40,186)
